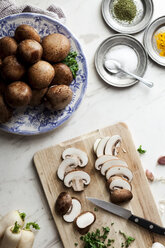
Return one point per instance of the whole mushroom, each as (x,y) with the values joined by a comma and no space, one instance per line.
(5,111)
(8,46)
(63,74)
(25,31)
(37,96)
(120,195)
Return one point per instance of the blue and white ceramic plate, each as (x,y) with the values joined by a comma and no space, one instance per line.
(36,120)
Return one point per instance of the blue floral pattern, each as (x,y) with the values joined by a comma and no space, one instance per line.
(36,120)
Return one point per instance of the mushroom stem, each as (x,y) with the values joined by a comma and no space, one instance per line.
(78,184)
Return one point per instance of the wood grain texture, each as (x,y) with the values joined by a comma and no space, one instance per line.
(142,204)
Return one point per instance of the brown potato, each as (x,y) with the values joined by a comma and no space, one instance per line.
(5,111)
(58,97)
(12,70)
(30,51)
(63,74)
(37,96)
(8,46)
(18,94)
(55,47)
(63,203)
(120,195)
(41,74)
(25,31)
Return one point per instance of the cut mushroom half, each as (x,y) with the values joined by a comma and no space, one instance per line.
(119,171)
(76,179)
(84,221)
(101,160)
(120,195)
(112,144)
(101,146)
(74,211)
(67,165)
(96,145)
(118,183)
(107,165)
(79,154)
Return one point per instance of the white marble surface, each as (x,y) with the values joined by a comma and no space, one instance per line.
(140,107)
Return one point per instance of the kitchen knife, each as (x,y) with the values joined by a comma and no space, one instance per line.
(126,214)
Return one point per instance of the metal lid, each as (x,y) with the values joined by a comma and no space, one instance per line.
(110,43)
(142,19)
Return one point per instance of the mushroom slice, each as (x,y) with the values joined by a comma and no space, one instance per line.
(74,211)
(120,195)
(118,183)
(96,144)
(67,165)
(119,170)
(101,160)
(84,221)
(110,163)
(101,146)
(112,144)
(74,152)
(76,179)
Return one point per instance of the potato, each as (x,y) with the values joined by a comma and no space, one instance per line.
(58,97)
(12,69)
(25,31)
(37,96)
(5,111)
(30,51)
(63,74)
(18,94)
(8,46)
(41,74)
(55,47)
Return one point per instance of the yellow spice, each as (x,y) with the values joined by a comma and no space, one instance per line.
(160,41)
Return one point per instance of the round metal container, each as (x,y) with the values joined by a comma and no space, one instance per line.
(157,26)
(104,48)
(142,19)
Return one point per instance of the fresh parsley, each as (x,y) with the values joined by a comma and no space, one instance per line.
(96,209)
(71,62)
(75,244)
(128,240)
(140,150)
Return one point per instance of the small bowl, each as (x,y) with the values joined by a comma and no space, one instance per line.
(142,19)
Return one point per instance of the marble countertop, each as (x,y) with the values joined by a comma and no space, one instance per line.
(140,107)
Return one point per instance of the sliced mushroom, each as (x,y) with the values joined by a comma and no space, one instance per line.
(67,165)
(120,195)
(84,221)
(120,170)
(101,146)
(118,183)
(112,144)
(74,152)
(96,144)
(111,163)
(74,211)
(76,179)
(63,203)
(101,160)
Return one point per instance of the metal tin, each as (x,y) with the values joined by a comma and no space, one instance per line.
(116,40)
(154,28)
(142,19)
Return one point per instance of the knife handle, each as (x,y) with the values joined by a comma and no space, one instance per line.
(150,226)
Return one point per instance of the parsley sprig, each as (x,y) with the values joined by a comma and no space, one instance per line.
(71,62)
(128,240)
(140,150)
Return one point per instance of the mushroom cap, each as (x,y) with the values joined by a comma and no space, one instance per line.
(76,175)
(101,146)
(67,165)
(118,183)
(107,165)
(119,170)
(74,152)
(110,148)
(63,203)
(102,159)
(120,195)
(84,221)
(96,144)
(74,211)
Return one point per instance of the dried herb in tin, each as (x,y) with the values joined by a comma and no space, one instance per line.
(125,10)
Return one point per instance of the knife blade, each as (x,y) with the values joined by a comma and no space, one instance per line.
(127,214)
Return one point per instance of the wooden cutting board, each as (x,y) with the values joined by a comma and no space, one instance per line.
(142,204)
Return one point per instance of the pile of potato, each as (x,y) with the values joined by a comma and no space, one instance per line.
(31,71)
